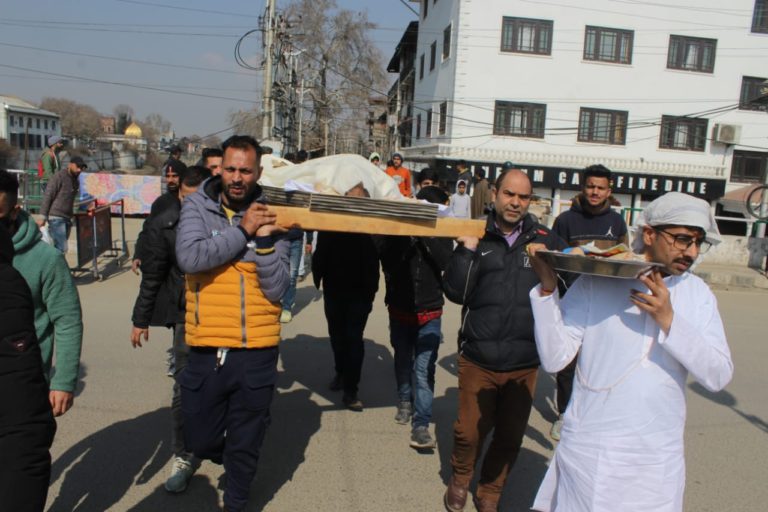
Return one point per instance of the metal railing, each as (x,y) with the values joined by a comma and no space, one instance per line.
(31,188)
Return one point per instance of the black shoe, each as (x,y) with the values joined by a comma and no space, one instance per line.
(336,384)
(352,403)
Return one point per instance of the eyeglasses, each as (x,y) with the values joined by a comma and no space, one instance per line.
(683,242)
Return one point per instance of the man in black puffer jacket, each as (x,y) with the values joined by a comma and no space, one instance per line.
(26,420)
(498,361)
(161,302)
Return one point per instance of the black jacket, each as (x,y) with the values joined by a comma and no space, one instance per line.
(24,405)
(17,326)
(159,205)
(492,283)
(347,265)
(413,271)
(161,294)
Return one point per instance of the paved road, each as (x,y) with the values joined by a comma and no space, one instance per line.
(112,450)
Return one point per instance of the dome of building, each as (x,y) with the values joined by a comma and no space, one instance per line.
(133,131)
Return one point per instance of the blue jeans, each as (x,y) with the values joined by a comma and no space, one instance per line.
(59,228)
(294,256)
(415,356)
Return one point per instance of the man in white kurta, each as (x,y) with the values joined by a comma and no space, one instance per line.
(638,339)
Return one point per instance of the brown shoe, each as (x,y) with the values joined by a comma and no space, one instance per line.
(455,498)
(485,505)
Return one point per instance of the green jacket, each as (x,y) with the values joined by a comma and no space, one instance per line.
(50,163)
(58,317)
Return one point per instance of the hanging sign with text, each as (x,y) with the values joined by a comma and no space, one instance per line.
(623,182)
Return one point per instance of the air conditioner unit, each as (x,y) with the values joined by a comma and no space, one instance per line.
(727,133)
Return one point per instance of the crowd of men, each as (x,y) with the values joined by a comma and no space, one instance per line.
(216,268)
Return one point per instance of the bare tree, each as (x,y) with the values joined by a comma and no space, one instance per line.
(7,154)
(340,62)
(211,141)
(246,122)
(77,119)
(154,127)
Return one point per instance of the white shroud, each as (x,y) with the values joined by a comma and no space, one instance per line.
(330,175)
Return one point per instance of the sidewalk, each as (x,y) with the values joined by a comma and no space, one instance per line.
(732,276)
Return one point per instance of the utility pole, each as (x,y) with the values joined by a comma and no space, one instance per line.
(301,112)
(267,106)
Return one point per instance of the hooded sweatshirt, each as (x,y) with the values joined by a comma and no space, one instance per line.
(58,317)
(580,226)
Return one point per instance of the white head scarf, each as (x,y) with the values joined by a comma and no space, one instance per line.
(677,209)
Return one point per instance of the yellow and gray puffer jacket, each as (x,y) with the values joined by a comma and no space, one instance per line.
(233,285)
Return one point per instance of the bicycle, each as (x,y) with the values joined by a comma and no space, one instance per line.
(757,202)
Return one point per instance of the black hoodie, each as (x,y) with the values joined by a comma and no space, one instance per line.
(579,226)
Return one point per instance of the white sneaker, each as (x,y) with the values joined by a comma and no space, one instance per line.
(181,471)
(285,316)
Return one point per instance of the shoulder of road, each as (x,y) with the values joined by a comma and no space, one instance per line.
(732,276)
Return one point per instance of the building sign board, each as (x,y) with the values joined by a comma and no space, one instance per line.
(623,182)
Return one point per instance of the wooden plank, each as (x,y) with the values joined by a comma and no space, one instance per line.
(288,216)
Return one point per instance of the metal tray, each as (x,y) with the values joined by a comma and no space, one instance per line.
(622,269)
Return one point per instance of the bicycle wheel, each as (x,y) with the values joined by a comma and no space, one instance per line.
(757,202)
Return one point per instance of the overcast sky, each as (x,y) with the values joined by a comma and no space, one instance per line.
(108,52)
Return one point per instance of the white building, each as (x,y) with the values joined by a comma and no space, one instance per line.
(26,128)
(652,90)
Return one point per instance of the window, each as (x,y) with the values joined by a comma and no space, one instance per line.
(418,126)
(429,122)
(39,141)
(421,66)
(29,122)
(750,89)
(443,118)
(15,140)
(749,166)
(432,55)
(604,126)
(425,4)
(608,45)
(760,17)
(46,124)
(447,42)
(53,125)
(686,133)
(519,119)
(691,54)
(12,120)
(523,35)
(37,122)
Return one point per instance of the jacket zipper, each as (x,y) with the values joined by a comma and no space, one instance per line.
(242,311)
(464,301)
(197,303)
